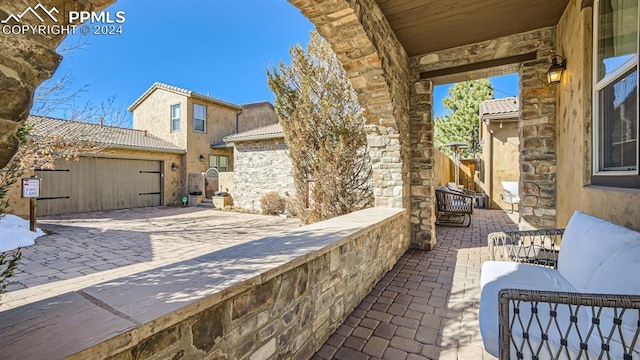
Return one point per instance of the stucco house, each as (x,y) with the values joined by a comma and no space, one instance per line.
(177,136)
(499,136)
(192,121)
(198,123)
(262,165)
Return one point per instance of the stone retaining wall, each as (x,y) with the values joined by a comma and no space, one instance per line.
(287,311)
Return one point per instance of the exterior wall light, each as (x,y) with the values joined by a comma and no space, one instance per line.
(201,158)
(174,166)
(558,65)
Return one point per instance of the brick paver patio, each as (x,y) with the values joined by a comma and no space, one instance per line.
(89,248)
(427,306)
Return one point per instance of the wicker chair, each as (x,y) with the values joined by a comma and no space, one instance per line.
(453,208)
(535,320)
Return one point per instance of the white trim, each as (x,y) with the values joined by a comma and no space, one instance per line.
(172,130)
(193,115)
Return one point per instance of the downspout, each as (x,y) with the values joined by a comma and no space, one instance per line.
(238,121)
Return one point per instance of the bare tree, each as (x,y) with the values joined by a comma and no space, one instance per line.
(323,127)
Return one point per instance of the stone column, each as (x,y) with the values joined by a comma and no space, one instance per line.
(538,154)
(386,164)
(422,192)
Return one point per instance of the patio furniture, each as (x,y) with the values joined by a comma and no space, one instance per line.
(579,301)
(510,193)
(456,188)
(453,208)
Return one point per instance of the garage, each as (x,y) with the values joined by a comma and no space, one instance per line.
(95,184)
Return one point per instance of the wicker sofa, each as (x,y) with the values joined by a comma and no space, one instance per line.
(580,300)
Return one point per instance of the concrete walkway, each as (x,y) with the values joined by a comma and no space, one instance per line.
(90,248)
(427,306)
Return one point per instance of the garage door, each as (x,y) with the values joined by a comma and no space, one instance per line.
(94,184)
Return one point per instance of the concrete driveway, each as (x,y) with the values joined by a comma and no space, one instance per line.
(89,248)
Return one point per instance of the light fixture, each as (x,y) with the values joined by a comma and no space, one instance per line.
(201,158)
(558,65)
(174,166)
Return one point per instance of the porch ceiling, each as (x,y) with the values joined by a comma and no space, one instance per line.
(425,26)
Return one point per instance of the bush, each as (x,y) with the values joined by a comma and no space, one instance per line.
(8,266)
(272,203)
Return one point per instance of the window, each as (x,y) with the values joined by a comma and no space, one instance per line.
(219,162)
(615,78)
(199,118)
(175,118)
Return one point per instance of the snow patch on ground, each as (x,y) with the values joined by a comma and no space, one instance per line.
(14,232)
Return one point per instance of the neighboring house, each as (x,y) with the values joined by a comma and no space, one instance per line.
(177,136)
(133,170)
(500,154)
(262,165)
(198,123)
(192,121)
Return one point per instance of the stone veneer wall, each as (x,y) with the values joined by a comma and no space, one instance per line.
(286,312)
(536,129)
(260,167)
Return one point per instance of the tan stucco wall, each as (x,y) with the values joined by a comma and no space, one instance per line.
(574,131)
(221,121)
(226,183)
(154,115)
(254,116)
(500,159)
(20,206)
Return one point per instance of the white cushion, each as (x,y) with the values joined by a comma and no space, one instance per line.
(498,275)
(619,274)
(588,242)
(511,186)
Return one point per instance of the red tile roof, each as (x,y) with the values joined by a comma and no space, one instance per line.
(111,136)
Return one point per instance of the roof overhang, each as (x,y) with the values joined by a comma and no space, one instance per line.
(506,117)
(425,26)
(231,139)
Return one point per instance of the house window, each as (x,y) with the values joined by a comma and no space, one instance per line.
(175,118)
(615,116)
(199,118)
(219,162)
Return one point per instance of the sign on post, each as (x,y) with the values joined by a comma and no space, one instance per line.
(31,188)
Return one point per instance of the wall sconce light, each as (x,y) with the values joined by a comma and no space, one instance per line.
(558,65)
(201,158)
(174,166)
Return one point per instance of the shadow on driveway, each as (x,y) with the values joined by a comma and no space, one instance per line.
(88,248)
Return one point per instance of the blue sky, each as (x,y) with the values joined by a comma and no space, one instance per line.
(220,48)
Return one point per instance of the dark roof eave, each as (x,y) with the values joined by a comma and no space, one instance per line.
(231,140)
